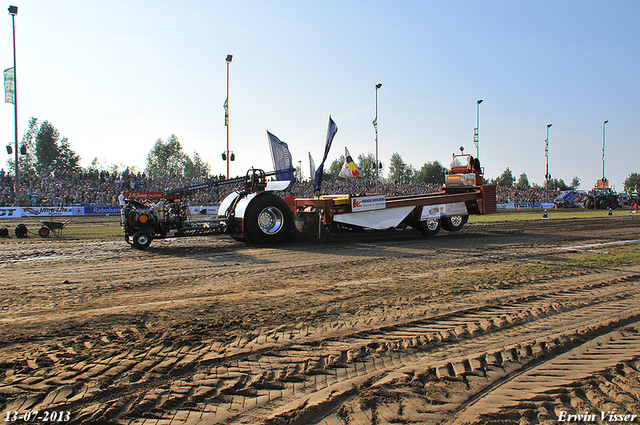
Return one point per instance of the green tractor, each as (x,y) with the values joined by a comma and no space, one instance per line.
(601,198)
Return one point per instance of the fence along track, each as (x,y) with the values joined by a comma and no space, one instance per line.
(286,376)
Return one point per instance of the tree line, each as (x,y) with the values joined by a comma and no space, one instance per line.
(43,150)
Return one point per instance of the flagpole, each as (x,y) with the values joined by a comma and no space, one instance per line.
(13,11)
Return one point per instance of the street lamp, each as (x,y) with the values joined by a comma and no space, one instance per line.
(477,129)
(375,126)
(226,156)
(546,153)
(603,127)
(13,11)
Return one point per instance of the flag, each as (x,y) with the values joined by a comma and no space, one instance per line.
(349,169)
(226,112)
(10,85)
(312,167)
(375,126)
(331,132)
(282,162)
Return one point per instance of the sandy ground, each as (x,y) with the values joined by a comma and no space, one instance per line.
(522,322)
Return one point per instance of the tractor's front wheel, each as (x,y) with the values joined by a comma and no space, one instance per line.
(141,239)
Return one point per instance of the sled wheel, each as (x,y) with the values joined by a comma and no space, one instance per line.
(430,227)
(141,239)
(454,223)
(267,219)
(44,231)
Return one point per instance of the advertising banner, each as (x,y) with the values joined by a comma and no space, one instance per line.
(101,210)
(204,210)
(368,203)
(50,211)
(443,210)
(143,196)
(10,212)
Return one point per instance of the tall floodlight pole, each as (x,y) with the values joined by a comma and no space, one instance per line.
(375,125)
(546,153)
(226,115)
(13,11)
(603,128)
(476,132)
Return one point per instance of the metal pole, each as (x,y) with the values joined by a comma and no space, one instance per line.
(477,135)
(13,11)
(375,124)
(546,153)
(228,61)
(603,129)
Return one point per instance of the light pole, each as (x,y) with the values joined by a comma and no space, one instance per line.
(375,125)
(603,128)
(476,133)
(226,156)
(546,153)
(13,11)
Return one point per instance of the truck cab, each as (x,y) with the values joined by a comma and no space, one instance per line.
(465,171)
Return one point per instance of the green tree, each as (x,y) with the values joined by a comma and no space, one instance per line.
(523,181)
(431,172)
(196,167)
(632,182)
(399,171)
(506,179)
(367,166)
(575,183)
(47,146)
(166,159)
(557,184)
(67,159)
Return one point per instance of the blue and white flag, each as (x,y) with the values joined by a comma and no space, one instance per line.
(282,162)
(331,132)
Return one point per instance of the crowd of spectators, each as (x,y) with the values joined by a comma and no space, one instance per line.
(102,188)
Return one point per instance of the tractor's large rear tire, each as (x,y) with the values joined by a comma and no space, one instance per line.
(454,223)
(589,204)
(141,239)
(268,219)
(603,204)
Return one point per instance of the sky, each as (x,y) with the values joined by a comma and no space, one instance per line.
(113,77)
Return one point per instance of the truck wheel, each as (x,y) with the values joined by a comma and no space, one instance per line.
(43,231)
(141,239)
(430,227)
(267,219)
(455,223)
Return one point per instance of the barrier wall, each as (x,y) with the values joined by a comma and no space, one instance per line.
(43,212)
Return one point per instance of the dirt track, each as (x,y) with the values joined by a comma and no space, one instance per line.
(511,323)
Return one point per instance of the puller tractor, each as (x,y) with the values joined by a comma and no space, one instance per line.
(251,213)
(256,215)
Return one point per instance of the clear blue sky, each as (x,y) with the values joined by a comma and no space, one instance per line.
(114,76)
